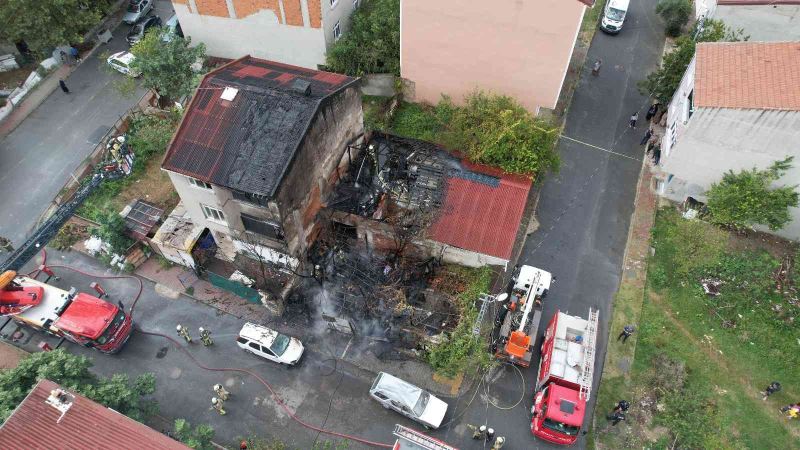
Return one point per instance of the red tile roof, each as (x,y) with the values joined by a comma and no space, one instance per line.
(86,425)
(479,216)
(247,143)
(748,75)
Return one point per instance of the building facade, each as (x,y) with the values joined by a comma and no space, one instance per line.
(257,153)
(294,32)
(737,107)
(510,47)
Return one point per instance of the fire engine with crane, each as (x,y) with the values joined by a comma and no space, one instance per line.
(517,320)
(564,378)
(78,317)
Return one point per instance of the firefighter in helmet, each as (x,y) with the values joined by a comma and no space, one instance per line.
(217,405)
(205,337)
(182,332)
(221,392)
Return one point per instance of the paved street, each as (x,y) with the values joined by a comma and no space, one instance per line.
(39,155)
(584,213)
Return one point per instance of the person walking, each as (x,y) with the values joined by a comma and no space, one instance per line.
(63,86)
(205,337)
(596,67)
(221,392)
(771,389)
(627,331)
(217,405)
(498,443)
(183,333)
(634,118)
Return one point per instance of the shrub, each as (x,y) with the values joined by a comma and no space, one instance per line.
(688,246)
(112,232)
(675,13)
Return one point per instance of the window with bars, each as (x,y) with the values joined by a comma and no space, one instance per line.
(213,213)
(337,31)
(199,183)
(263,227)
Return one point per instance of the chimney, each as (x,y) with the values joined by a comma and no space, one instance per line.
(61,400)
(301,86)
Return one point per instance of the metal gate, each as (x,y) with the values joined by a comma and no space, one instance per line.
(249,294)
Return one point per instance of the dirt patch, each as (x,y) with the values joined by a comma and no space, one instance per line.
(756,241)
(154,187)
(14,78)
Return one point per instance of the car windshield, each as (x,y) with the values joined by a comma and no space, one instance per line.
(561,427)
(615,14)
(133,7)
(419,408)
(112,328)
(280,344)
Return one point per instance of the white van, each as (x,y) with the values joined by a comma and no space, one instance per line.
(269,344)
(614,15)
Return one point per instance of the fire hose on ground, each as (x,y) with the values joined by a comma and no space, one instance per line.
(272,392)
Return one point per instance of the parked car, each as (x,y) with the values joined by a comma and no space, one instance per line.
(121,62)
(137,9)
(268,343)
(614,15)
(173,28)
(139,29)
(408,400)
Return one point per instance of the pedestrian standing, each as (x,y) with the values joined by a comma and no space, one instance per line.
(217,405)
(63,86)
(63,56)
(498,443)
(205,337)
(221,392)
(183,333)
(627,331)
(647,136)
(634,118)
(489,434)
(596,67)
(771,389)
(652,111)
(73,53)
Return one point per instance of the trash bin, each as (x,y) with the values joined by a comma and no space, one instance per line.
(104,36)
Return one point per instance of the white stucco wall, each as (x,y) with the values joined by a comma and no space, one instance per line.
(717,140)
(341,12)
(678,111)
(260,35)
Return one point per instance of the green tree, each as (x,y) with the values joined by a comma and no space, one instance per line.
(663,82)
(675,13)
(372,45)
(497,130)
(45,24)
(167,66)
(748,197)
(72,372)
(149,135)
(112,231)
(198,438)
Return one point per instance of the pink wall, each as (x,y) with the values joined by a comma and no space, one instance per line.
(519,48)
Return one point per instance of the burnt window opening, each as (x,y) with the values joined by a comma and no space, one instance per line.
(255,199)
(263,227)
(345,231)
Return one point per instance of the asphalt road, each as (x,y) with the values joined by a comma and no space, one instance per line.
(585,209)
(36,159)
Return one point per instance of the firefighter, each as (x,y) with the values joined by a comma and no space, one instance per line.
(217,405)
(205,337)
(489,434)
(478,433)
(221,392)
(183,333)
(771,389)
(498,443)
(621,406)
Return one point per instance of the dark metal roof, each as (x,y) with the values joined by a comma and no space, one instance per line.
(247,143)
(142,218)
(86,424)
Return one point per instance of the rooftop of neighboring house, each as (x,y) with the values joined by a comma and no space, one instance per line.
(761,20)
(748,75)
(758,2)
(75,422)
(246,121)
(473,207)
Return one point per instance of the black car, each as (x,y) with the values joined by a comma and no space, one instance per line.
(140,28)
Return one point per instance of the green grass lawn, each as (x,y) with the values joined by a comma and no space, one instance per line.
(701,361)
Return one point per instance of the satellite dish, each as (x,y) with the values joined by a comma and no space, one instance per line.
(502,297)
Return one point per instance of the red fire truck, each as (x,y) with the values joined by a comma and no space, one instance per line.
(77,317)
(564,380)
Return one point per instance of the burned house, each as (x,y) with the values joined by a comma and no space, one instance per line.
(256,155)
(403,194)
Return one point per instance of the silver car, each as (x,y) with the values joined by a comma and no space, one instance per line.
(137,9)
(408,400)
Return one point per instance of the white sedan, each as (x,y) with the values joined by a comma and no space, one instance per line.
(121,62)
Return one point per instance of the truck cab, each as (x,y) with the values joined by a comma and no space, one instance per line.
(557,414)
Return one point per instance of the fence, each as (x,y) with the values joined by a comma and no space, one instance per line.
(249,294)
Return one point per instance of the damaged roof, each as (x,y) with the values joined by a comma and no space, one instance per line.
(247,143)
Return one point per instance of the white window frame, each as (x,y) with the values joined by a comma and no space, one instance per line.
(213,214)
(355,4)
(334,3)
(337,31)
(199,183)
